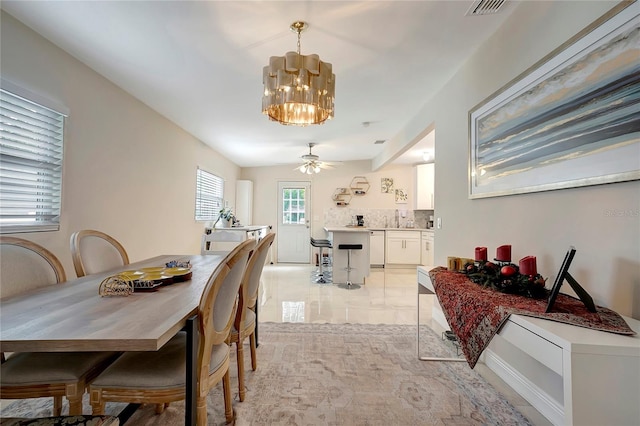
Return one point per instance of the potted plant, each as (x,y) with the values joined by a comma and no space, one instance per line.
(225,217)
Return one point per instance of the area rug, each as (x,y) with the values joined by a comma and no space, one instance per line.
(341,374)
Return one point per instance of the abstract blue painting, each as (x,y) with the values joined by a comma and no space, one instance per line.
(574,120)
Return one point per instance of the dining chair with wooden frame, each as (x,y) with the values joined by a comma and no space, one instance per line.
(244,324)
(94,251)
(25,266)
(159,377)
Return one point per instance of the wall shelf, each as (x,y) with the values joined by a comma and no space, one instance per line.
(342,197)
(359,185)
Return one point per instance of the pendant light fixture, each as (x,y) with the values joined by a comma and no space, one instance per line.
(299,90)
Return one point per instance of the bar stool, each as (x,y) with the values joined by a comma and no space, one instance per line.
(349,247)
(320,244)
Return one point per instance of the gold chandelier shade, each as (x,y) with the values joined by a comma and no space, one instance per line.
(298,89)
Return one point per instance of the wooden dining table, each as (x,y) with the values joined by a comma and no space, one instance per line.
(74,317)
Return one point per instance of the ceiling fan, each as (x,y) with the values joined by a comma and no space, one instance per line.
(312,163)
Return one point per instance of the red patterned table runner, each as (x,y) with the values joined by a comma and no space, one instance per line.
(475,313)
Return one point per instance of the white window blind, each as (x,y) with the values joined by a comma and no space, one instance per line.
(209,195)
(31,148)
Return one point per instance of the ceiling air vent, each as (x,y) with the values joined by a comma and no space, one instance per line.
(379,142)
(485,7)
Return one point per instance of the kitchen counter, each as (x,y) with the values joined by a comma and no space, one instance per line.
(359,258)
(346,229)
(371,228)
(400,229)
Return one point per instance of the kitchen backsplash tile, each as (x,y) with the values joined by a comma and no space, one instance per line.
(377,218)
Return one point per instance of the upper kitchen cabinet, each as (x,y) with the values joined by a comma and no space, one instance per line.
(424,199)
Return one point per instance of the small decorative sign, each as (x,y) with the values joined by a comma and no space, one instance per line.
(116,285)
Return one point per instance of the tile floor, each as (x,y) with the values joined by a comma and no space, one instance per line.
(289,294)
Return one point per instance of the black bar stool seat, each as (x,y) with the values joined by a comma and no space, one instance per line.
(320,244)
(350,247)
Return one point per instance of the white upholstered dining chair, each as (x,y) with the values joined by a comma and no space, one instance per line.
(94,251)
(244,324)
(159,377)
(25,266)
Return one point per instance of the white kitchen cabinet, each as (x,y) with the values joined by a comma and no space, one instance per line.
(376,253)
(424,198)
(244,202)
(426,239)
(402,247)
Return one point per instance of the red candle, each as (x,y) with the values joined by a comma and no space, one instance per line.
(481,254)
(528,266)
(503,253)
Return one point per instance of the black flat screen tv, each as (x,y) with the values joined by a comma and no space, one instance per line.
(563,275)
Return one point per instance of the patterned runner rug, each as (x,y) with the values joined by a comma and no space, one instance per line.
(341,374)
(475,313)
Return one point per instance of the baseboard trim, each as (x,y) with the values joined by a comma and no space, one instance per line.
(541,401)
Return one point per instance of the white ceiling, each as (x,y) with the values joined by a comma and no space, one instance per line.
(199,63)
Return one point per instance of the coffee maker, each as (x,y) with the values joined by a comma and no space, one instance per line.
(360,220)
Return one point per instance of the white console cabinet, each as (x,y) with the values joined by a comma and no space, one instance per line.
(570,374)
(225,239)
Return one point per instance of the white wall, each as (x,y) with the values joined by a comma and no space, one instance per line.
(607,262)
(127,170)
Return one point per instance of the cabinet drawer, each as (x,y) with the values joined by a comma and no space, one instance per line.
(405,235)
(533,345)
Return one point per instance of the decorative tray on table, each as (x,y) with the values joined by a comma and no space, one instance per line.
(150,279)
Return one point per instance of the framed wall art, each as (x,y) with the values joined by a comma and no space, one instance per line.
(386,185)
(571,120)
(401,196)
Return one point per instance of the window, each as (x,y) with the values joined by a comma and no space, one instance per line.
(293,206)
(209,193)
(31,139)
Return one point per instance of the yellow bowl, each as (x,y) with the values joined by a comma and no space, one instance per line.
(176,271)
(154,276)
(153,269)
(131,275)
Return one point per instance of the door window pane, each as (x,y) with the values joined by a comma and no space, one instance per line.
(293,206)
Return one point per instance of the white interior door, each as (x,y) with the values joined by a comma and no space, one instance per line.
(293,222)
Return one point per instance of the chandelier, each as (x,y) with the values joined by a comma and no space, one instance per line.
(298,89)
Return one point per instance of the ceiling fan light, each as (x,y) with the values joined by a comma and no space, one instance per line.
(316,169)
(299,89)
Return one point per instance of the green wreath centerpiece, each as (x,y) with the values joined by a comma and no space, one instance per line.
(506,278)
